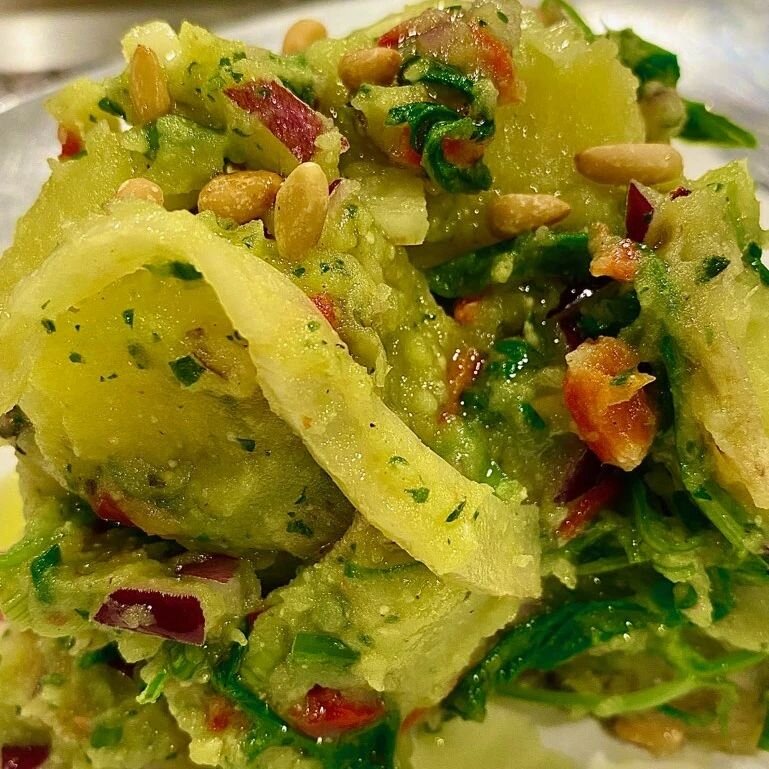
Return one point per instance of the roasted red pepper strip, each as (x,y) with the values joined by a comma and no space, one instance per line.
(325,304)
(583,509)
(603,391)
(328,712)
(462,370)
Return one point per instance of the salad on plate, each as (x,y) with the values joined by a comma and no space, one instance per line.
(356,386)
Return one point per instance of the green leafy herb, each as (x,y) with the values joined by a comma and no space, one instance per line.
(48,325)
(543,643)
(322,648)
(529,256)
(112,107)
(419,495)
(457,178)
(431,71)
(532,417)
(40,569)
(420,116)
(647,61)
(751,257)
(106,655)
(187,370)
(154,689)
(369,748)
(702,125)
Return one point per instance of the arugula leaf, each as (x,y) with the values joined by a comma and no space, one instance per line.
(702,125)
(421,116)
(370,748)
(543,643)
(529,256)
(419,70)
(450,177)
(646,60)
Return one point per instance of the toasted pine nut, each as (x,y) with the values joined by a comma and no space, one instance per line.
(300,211)
(620,163)
(513,214)
(148,85)
(656,732)
(377,66)
(241,196)
(140,189)
(302,34)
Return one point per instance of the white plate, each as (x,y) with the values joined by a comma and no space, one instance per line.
(514,736)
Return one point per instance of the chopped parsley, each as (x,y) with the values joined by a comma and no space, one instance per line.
(456,512)
(298,526)
(48,325)
(419,495)
(711,267)
(76,357)
(111,107)
(187,370)
(128,317)
(247,444)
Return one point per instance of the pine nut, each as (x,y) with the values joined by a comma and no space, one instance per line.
(302,34)
(300,211)
(377,66)
(512,214)
(241,196)
(148,85)
(140,189)
(621,163)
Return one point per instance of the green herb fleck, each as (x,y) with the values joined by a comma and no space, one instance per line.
(751,257)
(298,272)
(152,135)
(532,416)
(183,271)
(112,107)
(502,17)
(419,495)
(396,460)
(76,357)
(247,444)
(187,370)
(711,267)
(320,647)
(48,325)
(153,689)
(103,656)
(139,355)
(313,325)
(298,526)
(128,317)
(40,570)
(104,736)
(456,512)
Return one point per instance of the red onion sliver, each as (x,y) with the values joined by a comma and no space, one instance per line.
(108,510)
(24,756)
(639,213)
(212,566)
(580,477)
(178,617)
(285,115)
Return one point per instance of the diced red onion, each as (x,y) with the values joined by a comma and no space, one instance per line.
(211,566)
(639,213)
(108,510)
(178,617)
(24,756)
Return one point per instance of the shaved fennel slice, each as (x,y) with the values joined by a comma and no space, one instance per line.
(459,529)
